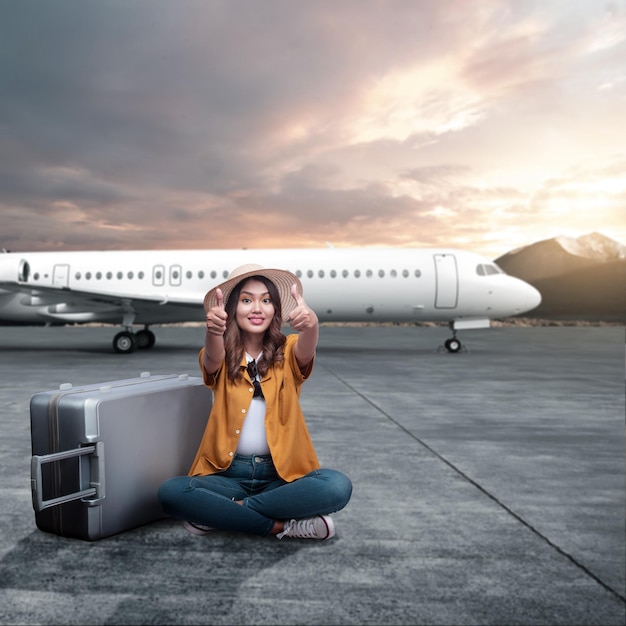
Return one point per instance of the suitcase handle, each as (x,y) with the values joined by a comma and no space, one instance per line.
(96,480)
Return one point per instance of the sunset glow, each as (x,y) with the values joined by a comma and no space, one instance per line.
(483,125)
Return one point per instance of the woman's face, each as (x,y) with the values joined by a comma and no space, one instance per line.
(255,309)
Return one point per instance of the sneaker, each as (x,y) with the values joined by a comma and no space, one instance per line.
(197,529)
(318,527)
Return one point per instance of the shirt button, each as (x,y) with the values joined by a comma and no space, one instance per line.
(251,389)
(243,410)
(230,454)
(237,432)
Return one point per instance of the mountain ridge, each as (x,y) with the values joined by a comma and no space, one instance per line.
(578,278)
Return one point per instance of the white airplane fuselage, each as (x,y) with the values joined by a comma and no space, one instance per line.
(340,284)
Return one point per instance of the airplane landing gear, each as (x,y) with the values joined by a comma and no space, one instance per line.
(124,342)
(145,338)
(127,341)
(452,344)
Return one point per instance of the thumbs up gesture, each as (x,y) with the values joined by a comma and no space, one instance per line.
(216,316)
(302,317)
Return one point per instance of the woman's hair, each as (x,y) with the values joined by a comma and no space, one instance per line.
(273,340)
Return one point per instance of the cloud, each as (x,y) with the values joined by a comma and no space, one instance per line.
(214,123)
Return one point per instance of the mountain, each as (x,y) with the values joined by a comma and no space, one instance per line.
(561,255)
(579,278)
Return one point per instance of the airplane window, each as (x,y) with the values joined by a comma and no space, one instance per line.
(357,273)
(321,273)
(225,273)
(174,274)
(381,273)
(405,273)
(201,274)
(393,273)
(140,275)
(120,275)
(418,273)
(77,275)
(24,271)
(109,275)
(345,273)
(368,273)
(130,275)
(36,276)
(98,275)
(88,275)
(310,273)
(213,274)
(299,273)
(333,274)
(158,274)
(189,274)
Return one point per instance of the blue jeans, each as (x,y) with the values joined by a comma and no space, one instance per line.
(211,500)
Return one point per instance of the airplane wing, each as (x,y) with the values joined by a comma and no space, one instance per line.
(48,304)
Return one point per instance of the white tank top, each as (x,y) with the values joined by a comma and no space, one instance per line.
(253,439)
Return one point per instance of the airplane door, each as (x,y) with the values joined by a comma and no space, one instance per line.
(447,279)
(158,275)
(176,272)
(61,276)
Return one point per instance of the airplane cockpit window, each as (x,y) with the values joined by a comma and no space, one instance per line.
(488,269)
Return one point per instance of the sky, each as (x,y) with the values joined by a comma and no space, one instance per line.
(484,125)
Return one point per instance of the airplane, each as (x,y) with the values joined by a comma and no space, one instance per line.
(147,287)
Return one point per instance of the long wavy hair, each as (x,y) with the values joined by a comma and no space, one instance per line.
(273,340)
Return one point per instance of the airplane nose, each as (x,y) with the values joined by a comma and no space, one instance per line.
(531,298)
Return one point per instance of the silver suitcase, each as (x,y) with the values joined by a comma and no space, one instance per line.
(100,452)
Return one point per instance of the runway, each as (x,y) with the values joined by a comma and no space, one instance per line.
(489,488)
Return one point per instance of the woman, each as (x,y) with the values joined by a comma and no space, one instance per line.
(256,470)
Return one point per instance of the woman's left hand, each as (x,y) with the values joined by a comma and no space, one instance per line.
(302,317)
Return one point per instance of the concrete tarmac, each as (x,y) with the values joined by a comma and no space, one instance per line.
(489,488)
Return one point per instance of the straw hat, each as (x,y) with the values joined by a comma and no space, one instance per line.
(281,278)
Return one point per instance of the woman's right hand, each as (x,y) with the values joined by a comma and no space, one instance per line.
(216,316)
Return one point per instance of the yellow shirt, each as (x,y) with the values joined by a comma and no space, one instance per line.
(287,433)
